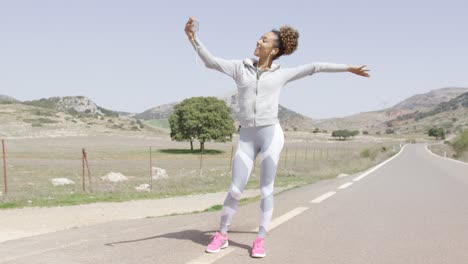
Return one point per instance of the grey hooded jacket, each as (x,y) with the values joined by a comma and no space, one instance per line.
(259,93)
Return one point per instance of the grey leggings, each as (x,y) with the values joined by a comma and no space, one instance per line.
(268,141)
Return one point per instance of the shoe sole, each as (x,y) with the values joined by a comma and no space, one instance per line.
(258,255)
(225,245)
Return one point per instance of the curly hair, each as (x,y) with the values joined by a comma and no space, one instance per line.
(288,40)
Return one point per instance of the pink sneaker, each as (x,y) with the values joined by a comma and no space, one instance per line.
(217,243)
(258,250)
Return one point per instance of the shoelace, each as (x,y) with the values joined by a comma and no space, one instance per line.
(258,244)
(218,238)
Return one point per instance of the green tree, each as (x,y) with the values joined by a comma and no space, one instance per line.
(201,118)
(437,133)
(344,134)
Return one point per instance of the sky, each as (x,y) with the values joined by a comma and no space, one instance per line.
(134,55)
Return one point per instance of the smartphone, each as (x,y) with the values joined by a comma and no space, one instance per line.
(195,25)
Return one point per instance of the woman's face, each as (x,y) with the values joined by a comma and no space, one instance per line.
(265,45)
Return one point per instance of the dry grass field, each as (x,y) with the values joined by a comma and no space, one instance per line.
(32,163)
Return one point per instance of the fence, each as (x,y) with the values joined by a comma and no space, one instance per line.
(33,164)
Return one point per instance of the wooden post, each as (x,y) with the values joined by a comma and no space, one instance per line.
(151,170)
(83,170)
(230,161)
(201,162)
(4,168)
(85,162)
(89,175)
(305,157)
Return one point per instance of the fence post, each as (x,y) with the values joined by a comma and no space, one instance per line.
(83,170)
(230,161)
(151,170)
(4,168)
(85,161)
(89,175)
(201,162)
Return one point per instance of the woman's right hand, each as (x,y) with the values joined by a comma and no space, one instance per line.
(188,29)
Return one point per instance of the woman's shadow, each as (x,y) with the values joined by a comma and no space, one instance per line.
(196,236)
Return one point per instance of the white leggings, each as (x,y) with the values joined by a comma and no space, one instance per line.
(268,141)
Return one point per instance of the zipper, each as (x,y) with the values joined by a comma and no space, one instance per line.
(256,94)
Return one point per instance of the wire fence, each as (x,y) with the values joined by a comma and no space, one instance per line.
(54,172)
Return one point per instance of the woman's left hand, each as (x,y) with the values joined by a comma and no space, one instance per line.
(359,70)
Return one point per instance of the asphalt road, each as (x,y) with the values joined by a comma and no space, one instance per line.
(412,209)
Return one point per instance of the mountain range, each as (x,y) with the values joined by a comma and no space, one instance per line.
(415,114)
(445,107)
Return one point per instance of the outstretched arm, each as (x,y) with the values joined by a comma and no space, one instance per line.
(229,67)
(296,73)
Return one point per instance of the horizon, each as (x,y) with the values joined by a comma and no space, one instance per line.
(133,113)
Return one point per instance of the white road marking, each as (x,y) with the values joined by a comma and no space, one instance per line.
(378,166)
(285,217)
(208,258)
(323,197)
(346,185)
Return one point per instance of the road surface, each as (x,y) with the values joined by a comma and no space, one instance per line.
(412,209)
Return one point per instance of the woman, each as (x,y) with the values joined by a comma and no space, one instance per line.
(259,84)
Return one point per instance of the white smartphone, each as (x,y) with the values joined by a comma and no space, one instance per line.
(195,25)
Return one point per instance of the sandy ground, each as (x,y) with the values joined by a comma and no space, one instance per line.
(24,222)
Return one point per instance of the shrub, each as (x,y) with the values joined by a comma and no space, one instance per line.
(365,153)
(460,144)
